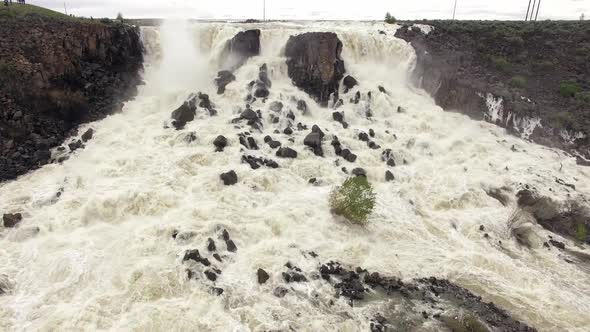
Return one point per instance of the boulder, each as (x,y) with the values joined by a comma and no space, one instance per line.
(314,141)
(359,172)
(87,136)
(185,113)
(314,63)
(224,78)
(276,106)
(389,176)
(286,153)
(230,178)
(220,143)
(302,106)
(262,276)
(239,49)
(349,82)
(11,220)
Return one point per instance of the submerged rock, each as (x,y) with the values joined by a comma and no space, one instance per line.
(349,82)
(286,153)
(262,276)
(314,63)
(224,78)
(220,143)
(87,136)
(185,113)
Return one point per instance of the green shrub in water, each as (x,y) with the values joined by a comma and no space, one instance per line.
(569,88)
(354,200)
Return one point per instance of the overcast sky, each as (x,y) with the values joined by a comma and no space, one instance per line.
(320,9)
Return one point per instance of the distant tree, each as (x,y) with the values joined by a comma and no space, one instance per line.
(582,17)
(120,17)
(389,19)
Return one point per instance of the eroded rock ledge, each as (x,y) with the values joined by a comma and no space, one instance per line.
(56,73)
(533,79)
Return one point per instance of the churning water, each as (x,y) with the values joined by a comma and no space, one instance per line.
(100,254)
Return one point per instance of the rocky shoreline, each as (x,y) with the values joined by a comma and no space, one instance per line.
(531,78)
(56,73)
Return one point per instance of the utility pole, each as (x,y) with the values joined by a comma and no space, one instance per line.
(538,6)
(65,8)
(263,10)
(530,18)
(528,11)
(455,10)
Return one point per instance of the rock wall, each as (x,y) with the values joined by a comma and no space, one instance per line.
(56,73)
(531,78)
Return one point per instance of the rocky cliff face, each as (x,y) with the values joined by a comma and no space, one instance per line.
(314,63)
(56,73)
(531,78)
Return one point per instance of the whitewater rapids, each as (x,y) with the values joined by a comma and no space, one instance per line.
(100,255)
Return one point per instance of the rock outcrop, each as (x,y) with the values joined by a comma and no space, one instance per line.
(314,64)
(239,49)
(56,73)
(532,79)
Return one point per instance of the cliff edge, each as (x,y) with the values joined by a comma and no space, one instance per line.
(57,72)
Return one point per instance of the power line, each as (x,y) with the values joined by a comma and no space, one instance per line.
(455,10)
(526,18)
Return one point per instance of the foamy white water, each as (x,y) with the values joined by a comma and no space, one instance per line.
(102,256)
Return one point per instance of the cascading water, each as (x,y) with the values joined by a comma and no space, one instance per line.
(101,255)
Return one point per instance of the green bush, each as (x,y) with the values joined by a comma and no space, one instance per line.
(501,63)
(518,82)
(569,88)
(581,232)
(354,200)
(389,19)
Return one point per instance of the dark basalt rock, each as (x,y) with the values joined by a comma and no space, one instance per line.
(314,141)
(288,131)
(302,106)
(11,220)
(220,143)
(260,88)
(262,276)
(389,176)
(280,292)
(382,89)
(314,63)
(76,145)
(338,116)
(231,246)
(211,245)
(87,136)
(276,106)
(359,172)
(349,82)
(211,275)
(194,255)
(256,163)
(363,137)
(224,78)
(239,49)
(230,178)
(286,153)
(184,114)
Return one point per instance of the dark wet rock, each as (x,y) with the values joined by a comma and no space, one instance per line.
(216,291)
(211,245)
(194,255)
(276,106)
(224,78)
(230,178)
(280,292)
(371,133)
(261,91)
(410,297)
(190,137)
(500,194)
(389,176)
(291,116)
(359,172)
(220,143)
(348,156)
(185,113)
(379,323)
(312,181)
(569,219)
(252,143)
(314,63)
(582,161)
(217,257)
(314,141)
(256,163)
(481,228)
(248,141)
(249,114)
(338,104)
(262,276)
(288,131)
(349,82)
(263,76)
(293,276)
(302,106)
(557,244)
(338,116)
(231,246)
(76,145)
(87,136)
(382,89)
(363,137)
(374,146)
(11,220)
(274,144)
(357,98)
(211,275)
(286,152)
(239,49)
